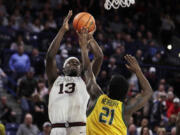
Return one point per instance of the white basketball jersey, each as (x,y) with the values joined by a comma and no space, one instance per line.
(68,100)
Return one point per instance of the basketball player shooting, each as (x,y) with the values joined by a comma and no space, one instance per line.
(108,114)
(68,96)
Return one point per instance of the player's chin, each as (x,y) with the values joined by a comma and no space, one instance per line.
(73,72)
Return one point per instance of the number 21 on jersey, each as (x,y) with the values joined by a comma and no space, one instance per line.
(106,116)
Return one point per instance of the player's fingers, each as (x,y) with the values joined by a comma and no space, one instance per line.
(134,59)
(86,31)
(127,59)
(81,30)
(77,32)
(130,58)
(69,15)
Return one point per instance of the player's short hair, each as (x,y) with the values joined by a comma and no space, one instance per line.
(118,88)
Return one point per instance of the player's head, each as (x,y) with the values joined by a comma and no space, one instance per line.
(118,87)
(72,67)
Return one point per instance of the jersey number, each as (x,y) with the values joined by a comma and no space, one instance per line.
(106,114)
(70,88)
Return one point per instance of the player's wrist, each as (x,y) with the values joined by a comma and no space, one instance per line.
(138,71)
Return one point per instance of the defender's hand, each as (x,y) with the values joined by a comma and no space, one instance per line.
(83,37)
(132,64)
(178,120)
(66,21)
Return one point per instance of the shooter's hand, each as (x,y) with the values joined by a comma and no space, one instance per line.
(90,34)
(66,21)
(83,37)
(132,64)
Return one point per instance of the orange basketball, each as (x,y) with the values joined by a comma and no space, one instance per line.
(84,19)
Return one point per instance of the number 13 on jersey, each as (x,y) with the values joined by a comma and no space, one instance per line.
(106,116)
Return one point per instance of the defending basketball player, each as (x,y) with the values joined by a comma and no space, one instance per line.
(108,114)
(68,96)
(178,124)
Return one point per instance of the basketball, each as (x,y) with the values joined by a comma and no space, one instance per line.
(84,19)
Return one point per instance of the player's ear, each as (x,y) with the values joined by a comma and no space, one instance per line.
(64,71)
(81,70)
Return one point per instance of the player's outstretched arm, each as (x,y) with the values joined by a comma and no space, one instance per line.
(92,87)
(51,67)
(140,100)
(178,124)
(97,52)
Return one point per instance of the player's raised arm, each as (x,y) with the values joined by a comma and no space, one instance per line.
(51,67)
(178,124)
(140,100)
(92,87)
(97,52)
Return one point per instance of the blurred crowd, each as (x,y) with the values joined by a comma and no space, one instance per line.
(27,28)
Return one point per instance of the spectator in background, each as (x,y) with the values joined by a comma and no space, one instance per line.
(102,80)
(3,8)
(6,113)
(161,131)
(60,58)
(156,59)
(174,108)
(40,112)
(166,29)
(37,27)
(171,88)
(144,124)
(19,63)
(26,88)
(41,90)
(157,110)
(139,56)
(119,53)
(19,41)
(37,62)
(161,88)
(145,131)
(170,98)
(132,130)
(51,22)
(171,123)
(112,67)
(46,129)
(27,128)
(151,76)
(173,131)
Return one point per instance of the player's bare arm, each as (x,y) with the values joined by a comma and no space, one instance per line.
(178,124)
(97,51)
(51,67)
(141,99)
(92,87)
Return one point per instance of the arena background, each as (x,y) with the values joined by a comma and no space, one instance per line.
(149,30)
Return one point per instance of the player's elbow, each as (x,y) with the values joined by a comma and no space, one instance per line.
(148,93)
